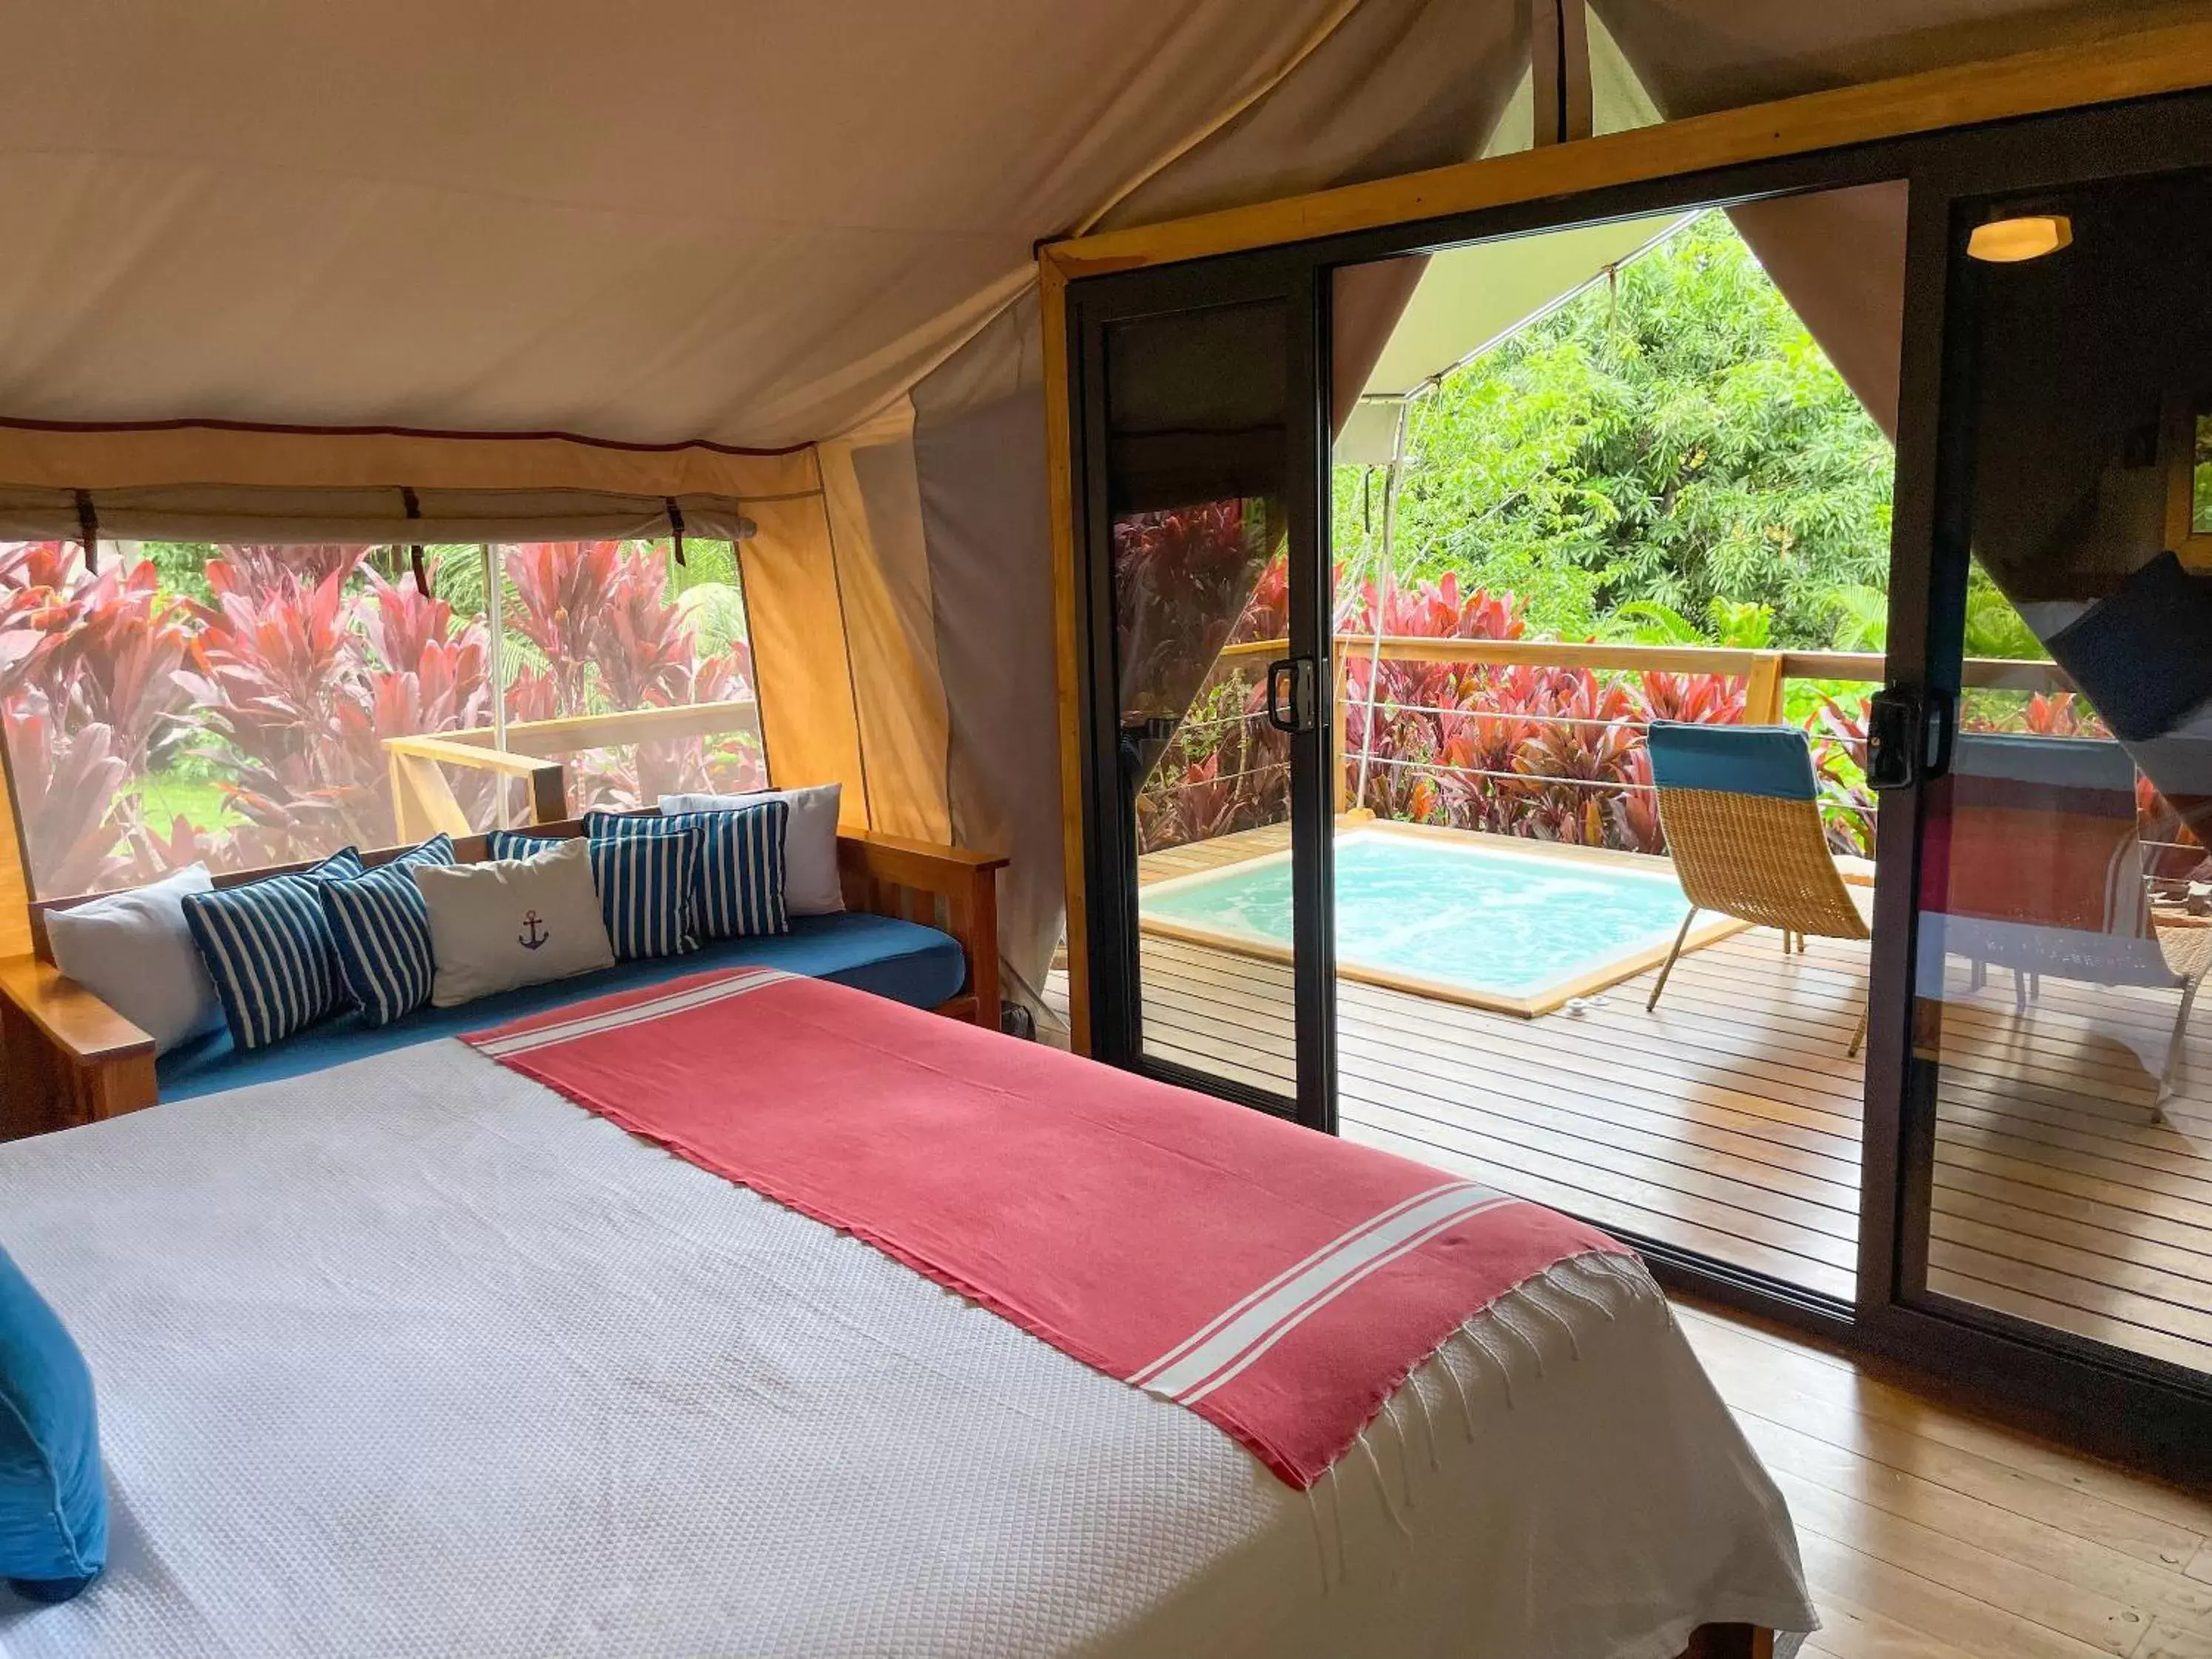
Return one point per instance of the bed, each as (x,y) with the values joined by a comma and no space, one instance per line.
(414,1356)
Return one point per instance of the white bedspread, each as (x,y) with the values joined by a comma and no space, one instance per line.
(411,1358)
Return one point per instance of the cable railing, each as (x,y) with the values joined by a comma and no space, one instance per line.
(1765,674)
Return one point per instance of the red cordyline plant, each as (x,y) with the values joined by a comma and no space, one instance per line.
(1549,752)
(1183,580)
(599,616)
(88,687)
(304,663)
(283,687)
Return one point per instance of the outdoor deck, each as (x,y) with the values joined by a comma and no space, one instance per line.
(1727,1121)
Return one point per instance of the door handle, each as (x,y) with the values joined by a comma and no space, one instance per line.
(1297,713)
(1911,733)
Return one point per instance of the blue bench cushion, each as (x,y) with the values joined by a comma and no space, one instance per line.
(900,960)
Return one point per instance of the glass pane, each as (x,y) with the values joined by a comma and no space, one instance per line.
(2200,479)
(1604,477)
(2064,925)
(225,704)
(1196,475)
(631,670)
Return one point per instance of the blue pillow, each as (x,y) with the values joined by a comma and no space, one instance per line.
(381,928)
(269,952)
(737,889)
(644,882)
(53,1501)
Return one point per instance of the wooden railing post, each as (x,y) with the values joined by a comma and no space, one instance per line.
(1762,694)
(548,794)
(423,802)
(402,807)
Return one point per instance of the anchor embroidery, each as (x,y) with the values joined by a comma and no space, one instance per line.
(534,933)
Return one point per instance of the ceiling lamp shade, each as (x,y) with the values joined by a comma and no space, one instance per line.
(2027,236)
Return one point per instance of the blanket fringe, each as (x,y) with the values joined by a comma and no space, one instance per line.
(1381,1485)
(1522,1320)
(1466,1409)
(1405,1451)
(1321,1543)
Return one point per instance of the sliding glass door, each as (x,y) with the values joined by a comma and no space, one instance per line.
(1208,679)
(2058,1106)
(1633,615)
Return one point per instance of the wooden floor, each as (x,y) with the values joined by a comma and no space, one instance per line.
(1928,1532)
(1727,1121)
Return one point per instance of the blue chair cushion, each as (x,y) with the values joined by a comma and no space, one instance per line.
(380,930)
(903,960)
(644,881)
(1774,761)
(269,951)
(53,1501)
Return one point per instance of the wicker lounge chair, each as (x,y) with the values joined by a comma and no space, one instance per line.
(1742,819)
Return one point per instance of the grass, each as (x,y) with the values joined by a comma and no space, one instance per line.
(168,796)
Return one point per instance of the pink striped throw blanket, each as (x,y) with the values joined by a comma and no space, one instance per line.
(1278,1283)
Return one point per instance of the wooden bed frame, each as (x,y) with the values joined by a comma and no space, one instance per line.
(67,1058)
(1730,1642)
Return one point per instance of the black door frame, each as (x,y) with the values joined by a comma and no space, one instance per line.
(1110,843)
(2121,1404)
(2136,1405)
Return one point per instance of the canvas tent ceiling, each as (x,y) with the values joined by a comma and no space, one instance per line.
(748,223)
(756,226)
(1471,298)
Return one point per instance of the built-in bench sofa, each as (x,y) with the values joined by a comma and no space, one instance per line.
(920,926)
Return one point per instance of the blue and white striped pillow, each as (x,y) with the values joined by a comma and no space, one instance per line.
(269,951)
(381,928)
(644,882)
(738,889)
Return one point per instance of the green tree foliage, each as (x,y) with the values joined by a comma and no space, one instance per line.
(1672,444)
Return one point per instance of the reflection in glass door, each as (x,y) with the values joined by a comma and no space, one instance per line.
(2064,1151)
(1215,714)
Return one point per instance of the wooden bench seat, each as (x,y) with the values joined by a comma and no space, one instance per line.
(67,1058)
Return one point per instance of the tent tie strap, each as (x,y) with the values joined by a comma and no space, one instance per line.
(88,524)
(414,506)
(675,525)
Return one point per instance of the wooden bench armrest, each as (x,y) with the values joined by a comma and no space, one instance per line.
(953,888)
(65,1056)
(71,1017)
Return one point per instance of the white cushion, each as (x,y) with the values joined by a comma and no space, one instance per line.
(811,887)
(134,952)
(514,921)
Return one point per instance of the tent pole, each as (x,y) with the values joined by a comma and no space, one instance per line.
(494,570)
(1383,593)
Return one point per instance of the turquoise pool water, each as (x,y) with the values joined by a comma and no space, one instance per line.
(1509,923)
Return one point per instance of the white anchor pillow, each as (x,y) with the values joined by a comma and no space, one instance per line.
(513,921)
